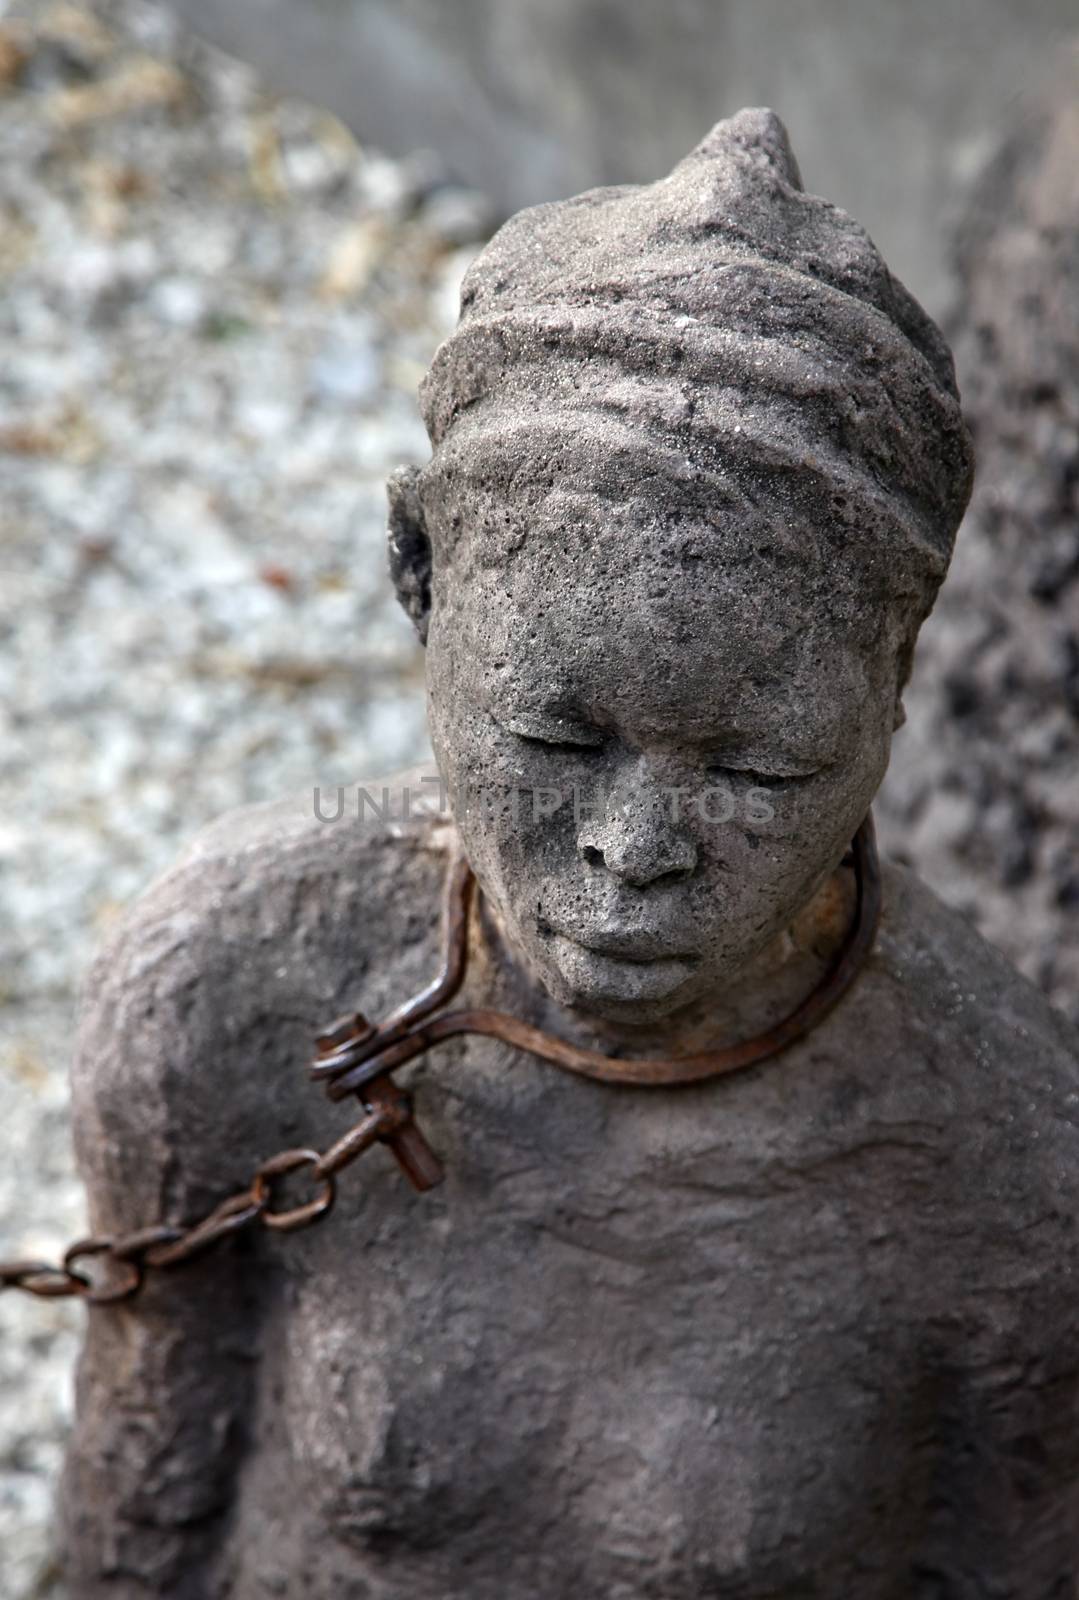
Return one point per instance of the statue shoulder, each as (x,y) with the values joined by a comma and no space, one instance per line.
(964,993)
(982,1084)
(199,1014)
(982,1071)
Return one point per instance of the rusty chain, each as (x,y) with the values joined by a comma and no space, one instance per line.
(127,1257)
(356,1057)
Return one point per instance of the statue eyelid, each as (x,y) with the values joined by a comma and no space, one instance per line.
(766,780)
(556,732)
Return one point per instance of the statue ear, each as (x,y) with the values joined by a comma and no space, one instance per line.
(904,660)
(410,548)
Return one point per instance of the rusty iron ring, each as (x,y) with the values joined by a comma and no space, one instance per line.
(43,1279)
(300,1216)
(239,1211)
(354,1052)
(103,1294)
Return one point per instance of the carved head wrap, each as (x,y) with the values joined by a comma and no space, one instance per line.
(719,327)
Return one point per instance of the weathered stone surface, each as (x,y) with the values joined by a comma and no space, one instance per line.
(984,798)
(804,1331)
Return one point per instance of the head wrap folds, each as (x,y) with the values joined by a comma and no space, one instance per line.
(718,323)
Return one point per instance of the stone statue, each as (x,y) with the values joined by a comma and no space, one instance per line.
(804,1330)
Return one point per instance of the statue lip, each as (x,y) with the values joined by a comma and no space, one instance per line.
(639,948)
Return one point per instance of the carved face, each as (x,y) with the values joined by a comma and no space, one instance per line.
(697,466)
(654,760)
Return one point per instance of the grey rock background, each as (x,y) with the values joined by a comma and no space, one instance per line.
(890,103)
(983,796)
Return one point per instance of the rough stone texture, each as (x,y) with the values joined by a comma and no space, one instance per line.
(214,312)
(805,1331)
(983,796)
(891,106)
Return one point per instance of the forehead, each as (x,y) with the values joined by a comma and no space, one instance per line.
(665,627)
(597,529)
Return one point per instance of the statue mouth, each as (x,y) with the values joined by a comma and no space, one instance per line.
(633,948)
(621,967)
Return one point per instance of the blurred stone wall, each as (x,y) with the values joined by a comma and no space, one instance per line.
(983,794)
(891,103)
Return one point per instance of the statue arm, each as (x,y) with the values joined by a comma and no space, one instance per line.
(189,1073)
(165,1381)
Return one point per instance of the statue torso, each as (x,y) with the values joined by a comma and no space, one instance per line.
(632,1347)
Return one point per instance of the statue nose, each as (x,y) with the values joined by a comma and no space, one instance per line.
(638,840)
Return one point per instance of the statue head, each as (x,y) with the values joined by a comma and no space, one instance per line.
(698,464)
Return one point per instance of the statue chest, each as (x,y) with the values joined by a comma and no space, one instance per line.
(626,1348)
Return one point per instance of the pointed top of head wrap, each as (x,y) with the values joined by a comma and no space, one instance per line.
(760,134)
(718,324)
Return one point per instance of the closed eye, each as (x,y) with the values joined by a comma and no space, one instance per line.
(762,778)
(557,733)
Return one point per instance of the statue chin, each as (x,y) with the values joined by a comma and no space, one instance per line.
(622,991)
